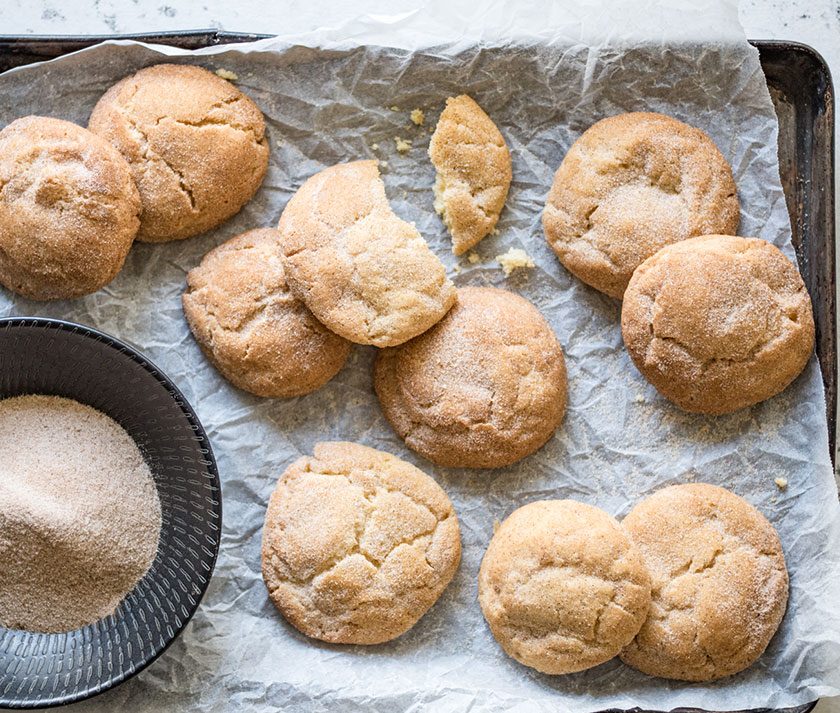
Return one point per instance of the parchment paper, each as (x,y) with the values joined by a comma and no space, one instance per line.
(544,78)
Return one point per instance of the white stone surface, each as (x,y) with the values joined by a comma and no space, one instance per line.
(813,22)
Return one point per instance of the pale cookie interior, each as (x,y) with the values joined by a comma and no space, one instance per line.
(473,167)
(365,273)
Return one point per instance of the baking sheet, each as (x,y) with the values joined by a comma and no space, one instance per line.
(328,99)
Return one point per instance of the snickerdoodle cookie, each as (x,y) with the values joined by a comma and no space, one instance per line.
(196,146)
(68,209)
(259,336)
(364,273)
(357,544)
(562,586)
(630,185)
(719,583)
(718,323)
(473,171)
(483,388)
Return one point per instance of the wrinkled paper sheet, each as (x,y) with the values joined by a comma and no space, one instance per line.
(544,76)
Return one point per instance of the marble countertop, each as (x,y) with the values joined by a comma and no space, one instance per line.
(813,22)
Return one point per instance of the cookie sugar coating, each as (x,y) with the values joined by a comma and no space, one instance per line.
(196,146)
(473,168)
(562,586)
(719,583)
(364,273)
(483,388)
(630,185)
(256,333)
(68,209)
(357,544)
(718,323)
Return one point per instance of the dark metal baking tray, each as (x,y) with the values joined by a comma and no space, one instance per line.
(800,87)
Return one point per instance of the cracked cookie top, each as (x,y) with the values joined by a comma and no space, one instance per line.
(719,583)
(196,146)
(718,323)
(483,388)
(473,171)
(630,185)
(365,273)
(562,586)
(68,209)
(357,544)
(257,334)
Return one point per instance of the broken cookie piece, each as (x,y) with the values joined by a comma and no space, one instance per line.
(366,274)
(473,172)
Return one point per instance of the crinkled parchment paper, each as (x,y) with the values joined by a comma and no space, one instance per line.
(544,77)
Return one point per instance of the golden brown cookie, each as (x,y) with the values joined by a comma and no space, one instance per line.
(257,334)
(364,273)
(630,185)
(68,209)
(483,388)
(719,583)
(562,586)
(473,168)
(718,323)
(196,146)
(357,544)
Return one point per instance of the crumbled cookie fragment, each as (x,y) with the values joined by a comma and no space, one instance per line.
(227,74)
(403,145)
(418,117)
(474,258)
(514,259)
(781,483)
(394,107)
(375,147)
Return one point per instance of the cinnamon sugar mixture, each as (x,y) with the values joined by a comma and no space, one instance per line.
(79,514)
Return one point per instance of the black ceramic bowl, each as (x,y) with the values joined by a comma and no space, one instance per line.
(46,356)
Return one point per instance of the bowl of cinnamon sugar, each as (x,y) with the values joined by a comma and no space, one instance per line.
(110,512)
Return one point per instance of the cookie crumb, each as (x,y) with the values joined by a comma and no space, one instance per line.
(394,107)
(375,147)
(227,74)
(781,483)
(496,526)
(457,269)
(640,398)
(383,164)
(418,117)
(403,145)
(514,259)
(474,258)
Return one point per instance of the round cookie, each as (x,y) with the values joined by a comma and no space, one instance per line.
(483,388)
(357,544)
(364,273)
(68,209)
(630,185)
(196,146)
(718,323)
(719,583)
(473,168)
(256,333)
(562,586)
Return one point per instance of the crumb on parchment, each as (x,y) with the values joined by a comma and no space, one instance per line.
(403,145)
(496,526)
(375,147)
(418,117)
(394,107)
(640,398)
(514,259)
(227,74)
(781,483)
(383,164)
(473,257)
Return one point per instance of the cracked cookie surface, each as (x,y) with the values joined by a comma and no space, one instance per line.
(483,388)
(718,323)
(365,273)
(562,587)
(255,332)
(630,185)
(68,209)
(357,544)
(473,168)
(195,143)
(719,583)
